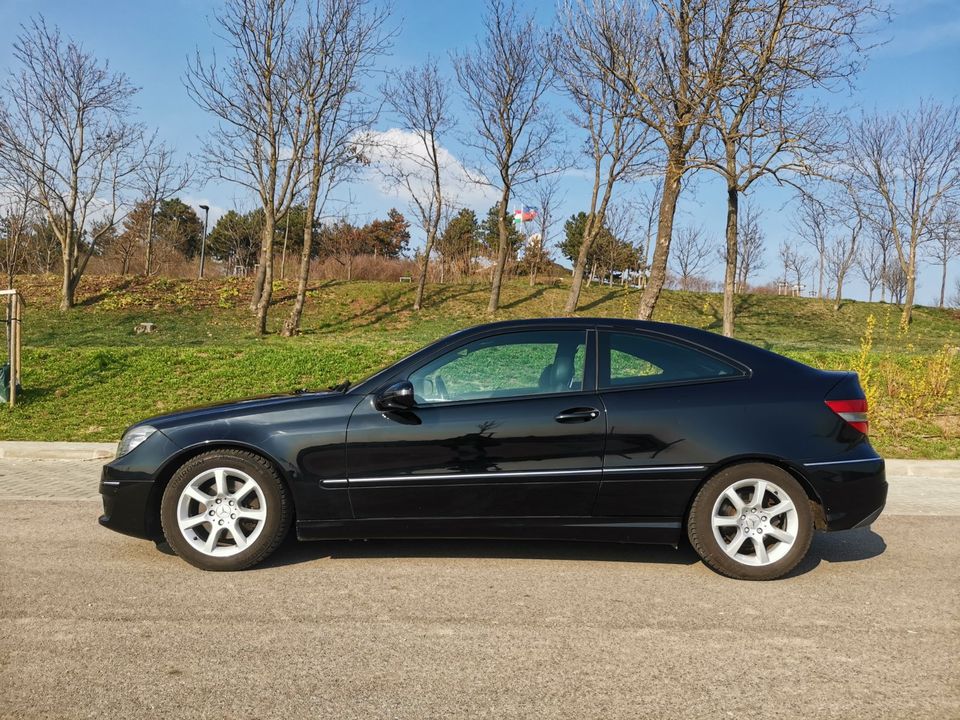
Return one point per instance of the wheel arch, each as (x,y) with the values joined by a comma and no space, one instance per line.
(816,502)
(176,461)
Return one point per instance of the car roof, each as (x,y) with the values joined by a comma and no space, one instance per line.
(681,331)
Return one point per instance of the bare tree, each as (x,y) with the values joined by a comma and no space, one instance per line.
(63,126)
(546,191)
(16,217)
(691,256)
(666,58)
(420,97)
(617,142)
(649,203)
(895,280)
(796,265)
(750,247)
(907,167)
(159,177)
(764,121)
(261,132)
(870,265)
(883,239)
(812,224)
(944,246)
(844,247)
(336,49)
(504,79)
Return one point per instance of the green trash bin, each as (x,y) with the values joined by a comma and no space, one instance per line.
(5,383)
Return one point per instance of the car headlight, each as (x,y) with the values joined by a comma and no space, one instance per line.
(133,437)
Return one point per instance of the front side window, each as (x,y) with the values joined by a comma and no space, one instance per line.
(509,365)
(629,359)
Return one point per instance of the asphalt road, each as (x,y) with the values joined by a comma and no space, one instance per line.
(94,624)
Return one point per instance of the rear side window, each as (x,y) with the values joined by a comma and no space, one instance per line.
(630,359)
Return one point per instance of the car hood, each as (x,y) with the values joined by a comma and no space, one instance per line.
(234,408)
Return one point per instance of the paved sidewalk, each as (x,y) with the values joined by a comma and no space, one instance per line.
(49,479)
(25,450)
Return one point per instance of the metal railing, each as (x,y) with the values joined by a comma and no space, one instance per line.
(14,320)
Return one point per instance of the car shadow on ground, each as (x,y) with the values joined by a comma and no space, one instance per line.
(840,547)
(849,546)
(293,552)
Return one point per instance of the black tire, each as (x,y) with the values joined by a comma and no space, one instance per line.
(700,528)
(278,510)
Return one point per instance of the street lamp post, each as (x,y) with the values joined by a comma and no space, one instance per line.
(203,241)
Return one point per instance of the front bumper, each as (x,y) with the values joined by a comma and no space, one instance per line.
(127,506)
(130,493)
(853,492)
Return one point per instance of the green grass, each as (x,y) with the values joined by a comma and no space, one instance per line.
(87,375)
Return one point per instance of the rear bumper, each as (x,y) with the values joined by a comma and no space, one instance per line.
(853,492)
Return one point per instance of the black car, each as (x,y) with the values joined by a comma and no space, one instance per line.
(590,429)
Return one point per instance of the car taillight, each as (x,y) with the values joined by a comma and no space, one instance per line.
(853,411)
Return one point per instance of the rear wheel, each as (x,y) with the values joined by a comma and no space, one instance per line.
(751,522)
(225,510)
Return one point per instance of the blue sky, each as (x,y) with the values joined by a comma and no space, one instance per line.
(150,42)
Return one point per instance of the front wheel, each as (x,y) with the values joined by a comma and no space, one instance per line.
(751,522)
(225,510)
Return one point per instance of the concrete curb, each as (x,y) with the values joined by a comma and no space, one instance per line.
(17,450)
(924,468)
(13,450)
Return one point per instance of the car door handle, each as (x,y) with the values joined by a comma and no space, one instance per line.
(577,415)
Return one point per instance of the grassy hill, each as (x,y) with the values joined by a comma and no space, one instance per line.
(87,375)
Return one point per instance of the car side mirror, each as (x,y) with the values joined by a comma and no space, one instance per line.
(398,396)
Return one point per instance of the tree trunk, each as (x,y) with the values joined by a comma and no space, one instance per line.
(292,325)
(501,254)
(658,267)
(146,270)
(943,283)
(258,281)
(424,267)
(730,271)
(883,272)
(839,297)
(573,297)
(69,261)
(283,254)
(266,265)
(820,281)
(907,315)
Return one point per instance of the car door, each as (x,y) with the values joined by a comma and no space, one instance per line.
(671,408)
(503,426)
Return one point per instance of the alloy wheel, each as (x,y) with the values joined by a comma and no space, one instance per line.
(221,511)
(755,522)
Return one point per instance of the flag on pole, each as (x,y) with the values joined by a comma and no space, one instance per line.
(524,214)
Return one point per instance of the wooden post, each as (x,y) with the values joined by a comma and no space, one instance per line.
(14,320)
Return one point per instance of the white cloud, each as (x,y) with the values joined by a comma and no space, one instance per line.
(216,212)
(404,150)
